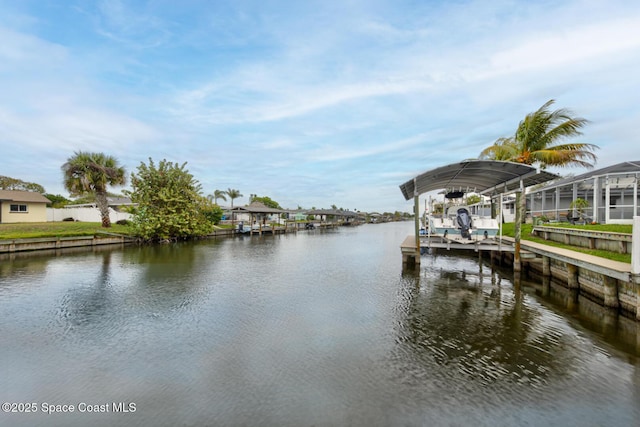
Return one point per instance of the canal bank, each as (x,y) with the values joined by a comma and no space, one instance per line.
(612,284)
(48,243)
(319,328)
(606,282)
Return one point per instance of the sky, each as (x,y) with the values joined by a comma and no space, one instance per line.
(310,103)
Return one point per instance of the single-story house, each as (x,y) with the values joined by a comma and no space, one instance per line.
(611,194)
(22,206)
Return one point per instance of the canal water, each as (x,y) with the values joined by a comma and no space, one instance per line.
(318,328)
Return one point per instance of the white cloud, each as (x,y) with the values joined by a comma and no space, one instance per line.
(19,51)
(138,29)
(309,103)
(588,42)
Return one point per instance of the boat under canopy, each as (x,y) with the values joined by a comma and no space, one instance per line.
(486,177)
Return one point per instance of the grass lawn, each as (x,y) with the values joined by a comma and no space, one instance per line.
(612,228)
(508,229)
(56,229)
(68,229)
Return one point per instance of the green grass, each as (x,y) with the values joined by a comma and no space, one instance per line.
(57,229)
(508,229)
(70,229)
(613,228)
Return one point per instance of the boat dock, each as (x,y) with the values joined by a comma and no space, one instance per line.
(612,284)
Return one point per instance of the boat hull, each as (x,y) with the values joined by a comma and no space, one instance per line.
(482,229)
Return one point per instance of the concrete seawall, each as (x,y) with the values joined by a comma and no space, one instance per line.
(613,242)
(609,283)
(44,243)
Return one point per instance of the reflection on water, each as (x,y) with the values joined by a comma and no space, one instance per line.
(316,328)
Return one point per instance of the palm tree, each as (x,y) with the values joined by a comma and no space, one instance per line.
(219,194)
(233,194)
(90,173)
(539,140)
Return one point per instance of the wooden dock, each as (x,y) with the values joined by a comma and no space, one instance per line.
(608,282)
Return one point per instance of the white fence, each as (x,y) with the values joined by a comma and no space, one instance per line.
(84,214)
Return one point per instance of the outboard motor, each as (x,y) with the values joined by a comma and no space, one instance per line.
(464,221)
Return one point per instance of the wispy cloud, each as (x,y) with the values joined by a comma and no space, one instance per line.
(311,102)
(19,51)
(138,28)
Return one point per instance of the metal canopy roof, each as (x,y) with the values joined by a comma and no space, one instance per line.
(480,176)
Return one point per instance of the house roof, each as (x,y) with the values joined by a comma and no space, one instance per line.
(624,167)
(335,212)
(257,207)
(119,201)
(479,176)
(22,196)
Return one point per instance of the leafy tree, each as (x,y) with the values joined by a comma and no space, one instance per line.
(170,204)
(57,201)
(267,201)
(8,183)
(90,173)
(472,199)
(212,211)
(579,205)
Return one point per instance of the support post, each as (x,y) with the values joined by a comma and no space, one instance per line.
(635,261)
(611,292)
(520,212)
(546,286)
(572,277)
(635,246)
(416,208)
(546,266)
(500,221)
(574,286)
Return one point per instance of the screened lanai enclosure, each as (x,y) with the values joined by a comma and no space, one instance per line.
(611,194)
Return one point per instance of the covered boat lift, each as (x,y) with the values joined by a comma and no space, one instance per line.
(485,177)
(258,211)
(346,217)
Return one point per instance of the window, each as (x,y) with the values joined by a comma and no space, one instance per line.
(18,208)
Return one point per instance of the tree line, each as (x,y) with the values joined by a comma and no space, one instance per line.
(168,200)
(170,204)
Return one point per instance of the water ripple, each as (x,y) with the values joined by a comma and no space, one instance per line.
(307,329)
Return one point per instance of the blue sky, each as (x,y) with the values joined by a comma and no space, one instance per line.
(312,103)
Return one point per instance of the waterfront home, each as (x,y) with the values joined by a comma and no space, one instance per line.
(22,206)
(611,194)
